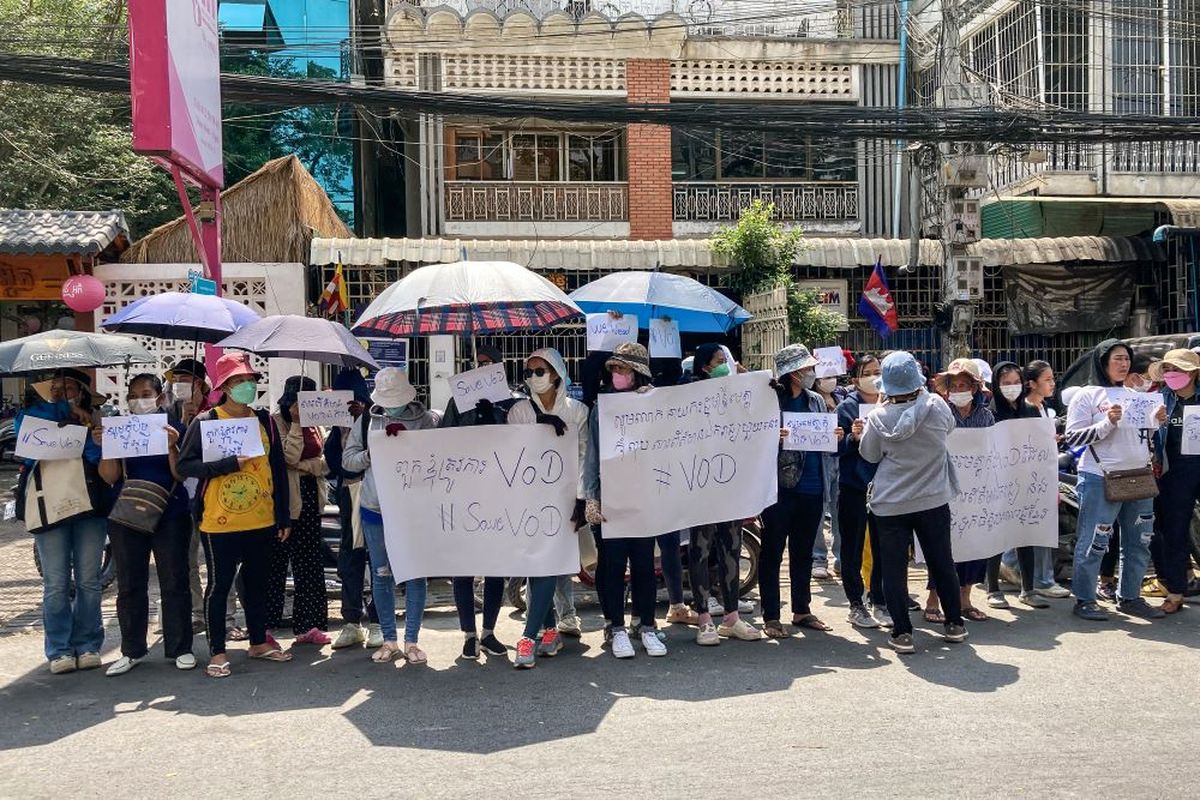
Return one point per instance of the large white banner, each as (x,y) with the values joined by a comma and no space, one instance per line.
(1008,488)
(688,455)
(484,500)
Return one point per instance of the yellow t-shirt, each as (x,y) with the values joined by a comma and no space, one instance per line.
(242,500)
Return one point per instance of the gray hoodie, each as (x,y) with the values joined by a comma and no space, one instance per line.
(908,442)
(356,457)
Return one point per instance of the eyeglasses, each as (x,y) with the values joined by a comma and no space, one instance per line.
(529,373)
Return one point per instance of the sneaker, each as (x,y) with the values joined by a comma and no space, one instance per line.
(471,648)
(1089,611)
(1032,600)
(621,646)
(493,646)
(859,618)
(89,661)
(653,643)
(1054,590)
(902,643)
(62,665)
(955,633)
(715,609)
(745,606)
(123,665)
(1154,588)
(550,644)
(185,662)
(680,614)
(1009,575)
(525,653)
(1134,608)
(1106,591)
(820,573)
(570,626)
(707,636)
(349,636)
(997,600)
(913,605)
(740,630)
(607,633)
(881,614)
(374,635)
(313,636)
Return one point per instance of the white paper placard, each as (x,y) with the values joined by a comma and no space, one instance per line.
(1137,408)
(1191,431)
(832,362)
(605,332)
(810,432)
(687,455)
(42,440)
(221,438)
(865,409)
(135,436)
(325,409)
(482,383)
(664,339)
(489,500)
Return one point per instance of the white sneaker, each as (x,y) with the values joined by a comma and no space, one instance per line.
(349,636)
(62,665)
(859,618)
(621,646)
(745,606)
(740,630)
(185,661)
(715,608)
(1054,590)
(707,636)
(880,613)
(374,635)
(820,573)
(89,661)
(570,626)
(123,665)
(653,645)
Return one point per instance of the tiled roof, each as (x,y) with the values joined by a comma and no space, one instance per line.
(60,232)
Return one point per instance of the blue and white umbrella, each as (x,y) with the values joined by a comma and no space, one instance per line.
(182,315)
(654,295)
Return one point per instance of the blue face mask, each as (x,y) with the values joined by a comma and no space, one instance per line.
(394,412)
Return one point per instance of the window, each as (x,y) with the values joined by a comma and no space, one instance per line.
(478,157)
(1065,51)
(592,158)
(1185,58)
(693,155)
(1137,57)
(737,155)
(534,157)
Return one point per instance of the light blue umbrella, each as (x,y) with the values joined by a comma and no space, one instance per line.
(654,295)
(182,315)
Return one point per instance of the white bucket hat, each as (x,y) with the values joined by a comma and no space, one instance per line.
(392,388)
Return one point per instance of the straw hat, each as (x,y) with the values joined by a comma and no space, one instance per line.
(632,355)
(959,366)
(1174,361)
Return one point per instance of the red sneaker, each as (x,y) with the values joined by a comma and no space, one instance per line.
(525,655)
(550,644)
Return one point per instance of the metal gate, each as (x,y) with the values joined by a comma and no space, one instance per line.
(766,333)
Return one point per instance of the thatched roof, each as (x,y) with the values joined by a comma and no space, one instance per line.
(271,215)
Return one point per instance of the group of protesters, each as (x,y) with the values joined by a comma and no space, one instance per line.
(252,520)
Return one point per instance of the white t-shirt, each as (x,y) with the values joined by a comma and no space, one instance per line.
(1119,446)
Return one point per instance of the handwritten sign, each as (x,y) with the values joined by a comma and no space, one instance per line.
(1137,408)
(221,438)
(832,362)
(605,332)
(325,409)
(664,339)
(135,436)
(482,383)
(688,455)
(1191,431)
(810,432)
(42,440)
(865,409)
(492,500)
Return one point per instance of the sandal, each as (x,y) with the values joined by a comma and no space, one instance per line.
(414,654)
(273,654)
(811,622)
(974,614)
(218,670)
(934,616)
(236,634)
(774,629)
(387,652)
(1170,606)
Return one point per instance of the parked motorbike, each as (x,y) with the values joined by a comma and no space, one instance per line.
(8,440)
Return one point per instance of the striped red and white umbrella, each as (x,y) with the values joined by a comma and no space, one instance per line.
(467,297)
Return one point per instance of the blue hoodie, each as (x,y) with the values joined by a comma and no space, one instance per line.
(908,442)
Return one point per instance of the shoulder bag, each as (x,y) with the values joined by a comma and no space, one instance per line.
(141,504)
(1125,485)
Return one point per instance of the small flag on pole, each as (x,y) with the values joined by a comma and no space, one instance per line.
(334,299)
(876,304)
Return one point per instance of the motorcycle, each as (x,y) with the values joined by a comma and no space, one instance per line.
(8,440)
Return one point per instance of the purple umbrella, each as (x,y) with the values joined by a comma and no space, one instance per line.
(305,338)
(181,315)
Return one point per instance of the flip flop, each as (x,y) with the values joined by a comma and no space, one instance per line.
(236,634)
(414,654)
(811,622)
(218,670)
(934,616)
(975,615)
(273,655)
(775,630)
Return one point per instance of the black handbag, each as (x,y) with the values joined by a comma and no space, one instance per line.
(140,505)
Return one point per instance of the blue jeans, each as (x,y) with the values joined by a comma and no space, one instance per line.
(1043,565)
(539,614)
(1096,519)
(820,549)
(383,588)
(72,626)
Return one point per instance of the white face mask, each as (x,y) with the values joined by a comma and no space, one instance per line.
(143,405)
(827,385)
(867,384)
(1011,392)
(960,399)
(539,384)
(181,391)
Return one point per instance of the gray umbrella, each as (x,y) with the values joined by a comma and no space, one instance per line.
(51,350)
(305,338)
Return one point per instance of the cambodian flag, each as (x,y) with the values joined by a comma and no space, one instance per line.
(876,304)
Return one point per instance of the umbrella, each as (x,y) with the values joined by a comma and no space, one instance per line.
(305,338)
(51,350)
(182,315)
(653,295)
(467,297)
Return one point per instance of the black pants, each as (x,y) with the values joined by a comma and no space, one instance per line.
(1180,488)
(722,540)
(932,530)
(855,522)
(170,544)
(224,553)
(302,551)
(638,553)
(1025,560)
(464,601)
(352,566)
(792,523)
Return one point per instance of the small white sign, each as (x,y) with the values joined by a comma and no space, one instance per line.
(865,409)
(221,438)
(135,436)
(664,339)
(1191,431)
(42,440)
(832,362)
(481,383)
(605,332)
(326,409)
(810,432)
(1137,408)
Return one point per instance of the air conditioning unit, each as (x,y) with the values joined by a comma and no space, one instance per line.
(966,172)
(964,221)
(968,278)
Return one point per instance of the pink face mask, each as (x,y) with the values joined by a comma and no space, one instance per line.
(622,382)
(1177,380)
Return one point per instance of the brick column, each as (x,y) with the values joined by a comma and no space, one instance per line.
(648,80)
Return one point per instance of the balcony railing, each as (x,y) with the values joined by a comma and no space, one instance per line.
(794,202)
(508,201)
(1157,157)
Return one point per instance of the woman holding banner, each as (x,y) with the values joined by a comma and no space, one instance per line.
(546,376)
(628,370)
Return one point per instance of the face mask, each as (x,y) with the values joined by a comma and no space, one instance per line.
(827,385)
(539,384)
(143,405)
(393,412)
(1011,392)
(622,382)
(719,371)
(808,380)
(181,391)
(867,384)
(1177,380)
(244,393)
(960,399)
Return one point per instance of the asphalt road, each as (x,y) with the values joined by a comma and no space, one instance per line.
(1036,704)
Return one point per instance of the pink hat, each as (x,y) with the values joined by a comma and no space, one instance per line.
(231,365)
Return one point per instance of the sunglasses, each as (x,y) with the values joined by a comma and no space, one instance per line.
(540,372)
